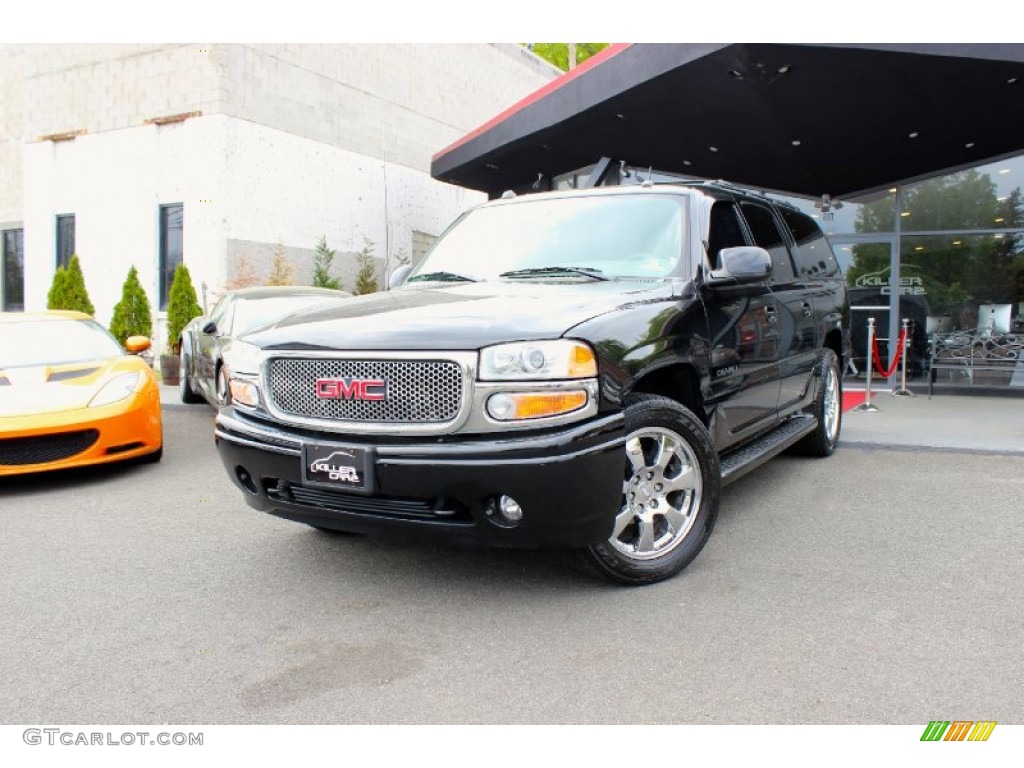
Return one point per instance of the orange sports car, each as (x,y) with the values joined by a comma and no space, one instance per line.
(71,396)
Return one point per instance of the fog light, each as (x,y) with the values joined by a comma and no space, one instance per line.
(510,509)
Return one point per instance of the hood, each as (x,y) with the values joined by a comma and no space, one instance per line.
(34,390)
(462,316)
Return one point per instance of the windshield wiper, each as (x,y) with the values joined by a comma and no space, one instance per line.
(444,277)
(596,274)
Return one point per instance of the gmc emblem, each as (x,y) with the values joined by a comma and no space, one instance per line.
(351,389)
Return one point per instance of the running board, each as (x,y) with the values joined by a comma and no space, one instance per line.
(749,457)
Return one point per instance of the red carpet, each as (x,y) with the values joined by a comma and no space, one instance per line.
(852,399)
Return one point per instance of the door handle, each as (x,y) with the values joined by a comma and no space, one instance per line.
(771,314)
(806,309)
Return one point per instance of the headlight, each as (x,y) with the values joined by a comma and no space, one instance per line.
(115,390)
(561,359)
(241,357)
(245,392)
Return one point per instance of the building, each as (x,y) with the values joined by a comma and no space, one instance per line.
(220,155)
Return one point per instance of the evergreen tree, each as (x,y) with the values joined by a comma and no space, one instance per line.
(132,314)
(366,277)
(182,306)
(323,260)
(281,270)
(55,298)
(75,296)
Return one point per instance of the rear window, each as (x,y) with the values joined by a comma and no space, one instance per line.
(814,257)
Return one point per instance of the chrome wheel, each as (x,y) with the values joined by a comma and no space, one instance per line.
(832,404)
(661,494)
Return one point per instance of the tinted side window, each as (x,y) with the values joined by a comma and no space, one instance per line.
(767,235)
(814,257)
(724,231)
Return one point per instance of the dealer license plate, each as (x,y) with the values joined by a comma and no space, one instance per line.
(341,467)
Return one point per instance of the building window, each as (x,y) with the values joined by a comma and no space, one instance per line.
(65,239)
(172,219)
(13,270)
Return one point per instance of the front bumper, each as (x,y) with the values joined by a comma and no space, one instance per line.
(568,481)
(81,437)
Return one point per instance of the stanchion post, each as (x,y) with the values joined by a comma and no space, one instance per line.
(867,405)
(903,391)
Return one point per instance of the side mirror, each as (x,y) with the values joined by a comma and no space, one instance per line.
(398,276)
(209,328)
(137,344)
(744,264)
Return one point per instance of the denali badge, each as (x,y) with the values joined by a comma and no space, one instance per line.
(351,389)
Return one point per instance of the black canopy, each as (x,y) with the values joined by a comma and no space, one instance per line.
(805,119)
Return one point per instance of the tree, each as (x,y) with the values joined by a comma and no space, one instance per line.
(244,274)
(366,276)
(132,314)
(68,289)
(55,298)
(558,53)
(182,306)
(954,271)
(281,270)
(323,260)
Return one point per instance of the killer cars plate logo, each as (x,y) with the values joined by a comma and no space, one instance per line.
(333,467)
(352,389)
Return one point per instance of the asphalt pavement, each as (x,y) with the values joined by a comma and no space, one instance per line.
(881,585)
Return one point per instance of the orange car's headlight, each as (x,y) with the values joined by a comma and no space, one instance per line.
(115,390)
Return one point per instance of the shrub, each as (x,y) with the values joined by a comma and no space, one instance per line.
(323,259)
(55,298)
(132,314)
(76,297)
(366,277)
(281,271)
(182,306)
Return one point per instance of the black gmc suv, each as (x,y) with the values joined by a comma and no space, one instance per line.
(583,369)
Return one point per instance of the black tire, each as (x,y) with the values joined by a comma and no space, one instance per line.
(332,531)
(151,458)
(644,547)
(827,408)
(185,389)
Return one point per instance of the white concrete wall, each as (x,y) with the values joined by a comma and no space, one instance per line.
(294,142)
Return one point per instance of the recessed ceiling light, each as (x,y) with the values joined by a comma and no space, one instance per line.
(999,220)
(795,142)
(1011,81)
(491,166)
(1004,170)
(958,242)
(687,162)
(913,135)
(919,248)
(969,145)
(620,116)
(893,190)
(905,214)
(713,149)
(784,69)
(736,73)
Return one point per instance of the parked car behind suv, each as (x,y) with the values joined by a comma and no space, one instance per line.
(582,369)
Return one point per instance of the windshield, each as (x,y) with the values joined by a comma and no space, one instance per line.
(612,236)
(252,313)
(55,342)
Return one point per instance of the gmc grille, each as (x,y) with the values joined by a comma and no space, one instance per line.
(418,391)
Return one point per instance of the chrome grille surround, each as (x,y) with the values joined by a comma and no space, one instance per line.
(428,392)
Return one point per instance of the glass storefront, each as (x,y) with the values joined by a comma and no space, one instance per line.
(945,253)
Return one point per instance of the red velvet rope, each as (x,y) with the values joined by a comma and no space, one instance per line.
(895,361)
